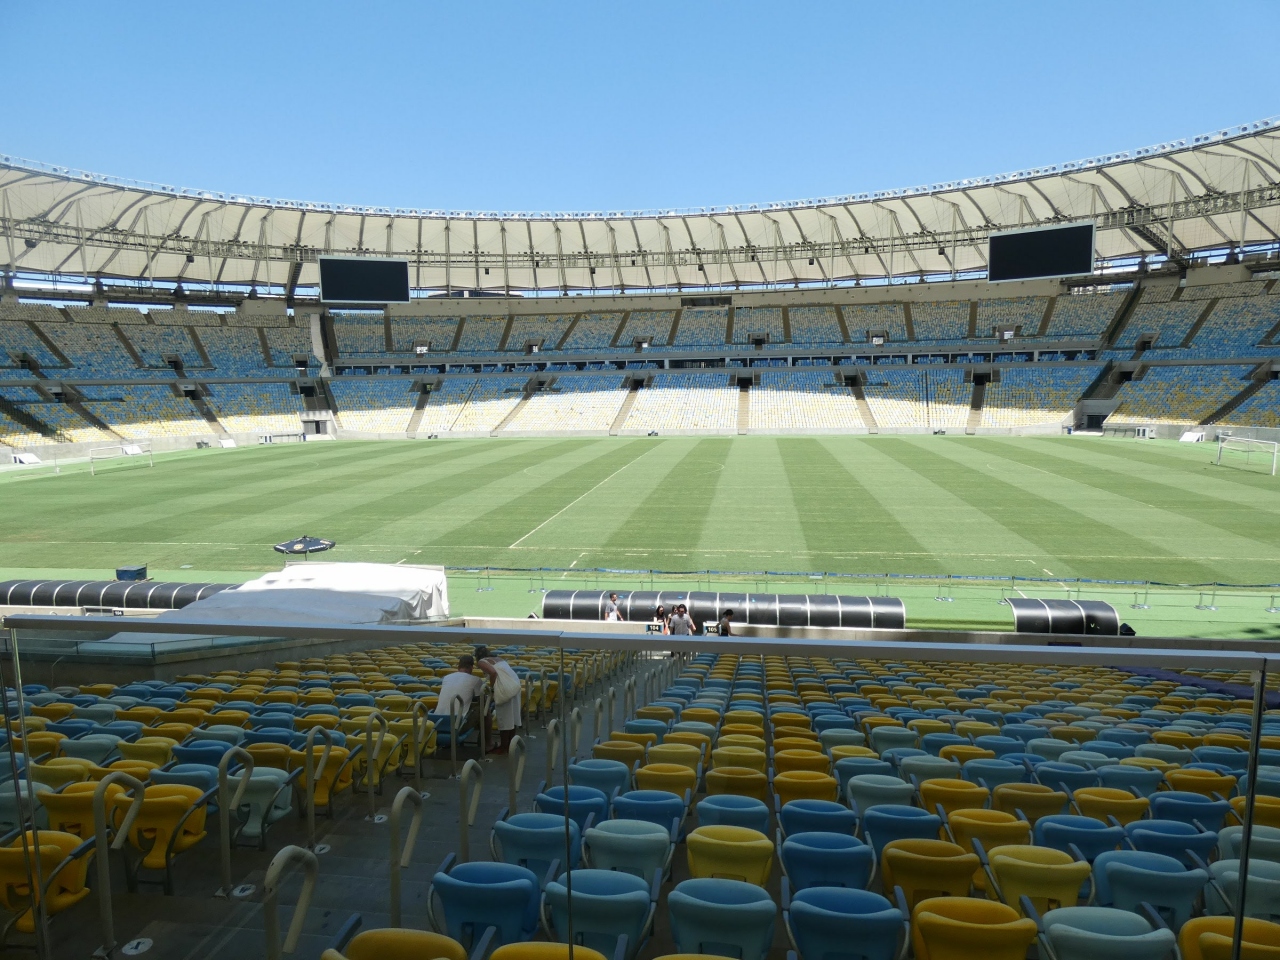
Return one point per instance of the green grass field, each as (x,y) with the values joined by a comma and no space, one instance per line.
(1045,507)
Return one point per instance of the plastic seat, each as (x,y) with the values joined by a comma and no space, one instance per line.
(740,781)
(829,923)
(63,870)
(952,795)
(98,748)
(1264,845)
(70,810)
(637,847)
(928,768)
(993,828)
(1050,878)
(804,785)
(1263,898)
(1067,777)
(535,841)
(1090,836)
(960,928)
(652,806)
(396,943)
(993,773)
(1181,805)
(1127,878)
(882,738)
(606,776)
(1049,748)
(1212,938)
(1102,803)
(883,824)
(155,750)
(1132,778)
(1207,783)
(847,767)
(742,757)
(866,791)
(476,896)
(1035,800)
(170,821)
(825,859)
(1172,838)
(735,853)
(823,816)
(603,907)
(928,868)
(1104,933)
(621,751)
(725,917)
(733,810)
(267,799)
(585,804)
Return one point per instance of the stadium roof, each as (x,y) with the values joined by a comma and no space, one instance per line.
(1217,190)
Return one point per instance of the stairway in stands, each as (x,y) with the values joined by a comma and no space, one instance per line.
(744,405)
(975,408)
(415,418)
(625,410)
(1223,411)
(864,408)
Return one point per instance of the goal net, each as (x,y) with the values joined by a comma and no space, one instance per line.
(1257,455)
(98,456)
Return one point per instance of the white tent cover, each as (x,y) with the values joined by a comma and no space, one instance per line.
(314,592)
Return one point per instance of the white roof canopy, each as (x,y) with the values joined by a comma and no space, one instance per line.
(1217,190)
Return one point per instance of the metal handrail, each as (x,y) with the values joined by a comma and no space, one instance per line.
(402,854)
(225,806)
(611,699)
(482,719)
(372,753)
(599,715)
(516,753)
(628,698)
(553,749)
(418,715)
(102,847)
(313,774)
(271,898)
(468,804)
(454,705)
(543,706)
(575,733)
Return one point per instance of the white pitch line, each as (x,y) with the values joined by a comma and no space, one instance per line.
(568,505)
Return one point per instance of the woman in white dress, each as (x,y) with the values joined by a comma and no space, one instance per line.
(507,713)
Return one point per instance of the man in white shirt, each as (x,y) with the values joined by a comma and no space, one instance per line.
(462,685)
(681,622)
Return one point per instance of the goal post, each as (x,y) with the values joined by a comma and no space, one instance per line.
(1241,452)
(98,455)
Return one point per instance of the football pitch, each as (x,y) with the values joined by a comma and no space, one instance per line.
(1058,507)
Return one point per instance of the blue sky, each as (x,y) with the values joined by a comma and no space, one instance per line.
(578,106)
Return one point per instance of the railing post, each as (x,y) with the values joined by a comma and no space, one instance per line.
(372,751)
(225,805)
(102,849)
(468,803)
(271,897)
(543,710)
(313,774)
(575,733)
(418,715)
(401,855)
(599,715)
(611,698)
(516,753)
(455,718)
(553,749)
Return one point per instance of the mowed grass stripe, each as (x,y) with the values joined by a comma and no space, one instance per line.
(494,531)
(1064,518)
(753,515)
(1201,479)
(668,523)
(1259,526)
(964,538)
(840,513)
(157,506)
(1189,458)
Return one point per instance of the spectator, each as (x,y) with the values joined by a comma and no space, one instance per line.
(460,685)
(660,616)
(611,611)
(681,623)
(726,623)
(505,711)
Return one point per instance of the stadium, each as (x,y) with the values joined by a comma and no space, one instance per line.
(346,554)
